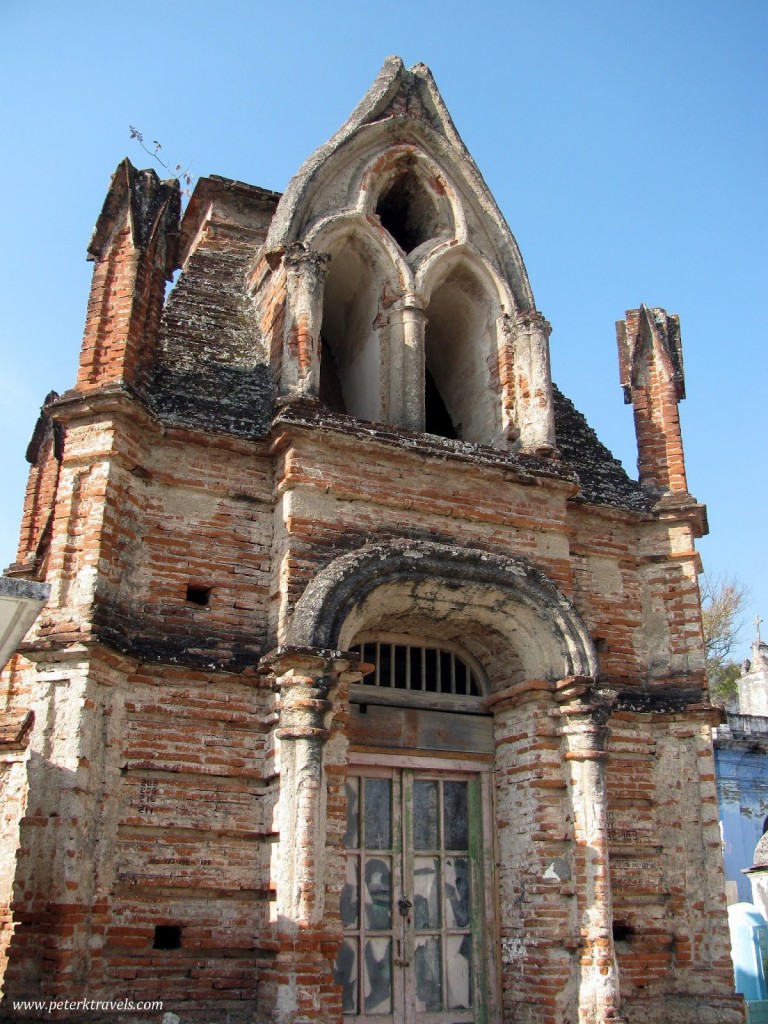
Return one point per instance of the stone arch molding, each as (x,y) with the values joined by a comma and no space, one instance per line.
(512,596)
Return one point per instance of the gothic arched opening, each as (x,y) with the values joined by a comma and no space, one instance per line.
(350,356)
(408,211)
(330,391)
(460,346)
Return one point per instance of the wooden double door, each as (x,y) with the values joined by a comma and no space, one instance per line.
(414,907)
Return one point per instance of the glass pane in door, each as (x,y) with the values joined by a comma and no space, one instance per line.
(427,964)
(365,960)
(378,975)
(407,901)
(437,870)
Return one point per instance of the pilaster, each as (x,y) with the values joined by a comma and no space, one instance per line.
(134,247)
(651,371)
(306,271)
(533,382)
(312,688)
(585,711)
(534,857)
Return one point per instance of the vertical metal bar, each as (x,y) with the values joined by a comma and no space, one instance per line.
(403,785)
(441,868)
(361,803)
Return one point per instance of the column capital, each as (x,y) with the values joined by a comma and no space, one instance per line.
(519,693)
(298,257)
(528,319)
(308,660)
(586,709)
(307,680)
(410,305)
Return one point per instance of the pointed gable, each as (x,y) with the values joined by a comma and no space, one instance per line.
(403,116)
(406,298)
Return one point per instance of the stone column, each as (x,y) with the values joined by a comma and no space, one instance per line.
(585,711)
(533,383)
(505,335)
(406,377)
(312,689)
(305,280)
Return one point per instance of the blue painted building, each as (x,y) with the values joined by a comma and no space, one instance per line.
(741,765)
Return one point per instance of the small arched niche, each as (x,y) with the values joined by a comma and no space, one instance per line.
(413,207)
(462,392)
(350,358)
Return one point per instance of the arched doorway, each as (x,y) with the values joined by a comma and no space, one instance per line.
(431,743)
(416,908)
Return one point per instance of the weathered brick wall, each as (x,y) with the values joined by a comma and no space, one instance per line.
(184,793)
(62,867)
(14,740)
(636,587)
(196,515)
(146,801)
(211,371)
(271,307)
(539,915)
(666,869)
(191,842)
(608,590)
(339,492)
(642,610)
(44,455)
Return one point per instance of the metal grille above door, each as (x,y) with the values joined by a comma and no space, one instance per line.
(420,669)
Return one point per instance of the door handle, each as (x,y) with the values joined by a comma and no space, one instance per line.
(404,906)
(399,962)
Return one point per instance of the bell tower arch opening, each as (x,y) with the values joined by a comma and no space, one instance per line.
(350,352)
(462,389)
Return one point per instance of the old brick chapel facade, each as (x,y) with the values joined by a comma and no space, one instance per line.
(370,688)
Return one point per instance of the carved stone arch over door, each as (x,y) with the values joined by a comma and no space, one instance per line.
(506,594)
(531,754)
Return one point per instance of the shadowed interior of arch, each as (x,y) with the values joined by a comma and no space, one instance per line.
(350,356)
(459,349)
(408,212)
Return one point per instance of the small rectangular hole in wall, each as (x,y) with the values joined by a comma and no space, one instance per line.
(622,931)
(197,594)
(167,936)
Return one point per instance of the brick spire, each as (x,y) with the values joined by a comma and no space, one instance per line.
(134,246)
(651,369)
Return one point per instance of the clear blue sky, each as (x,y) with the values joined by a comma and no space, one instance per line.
(625,142)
